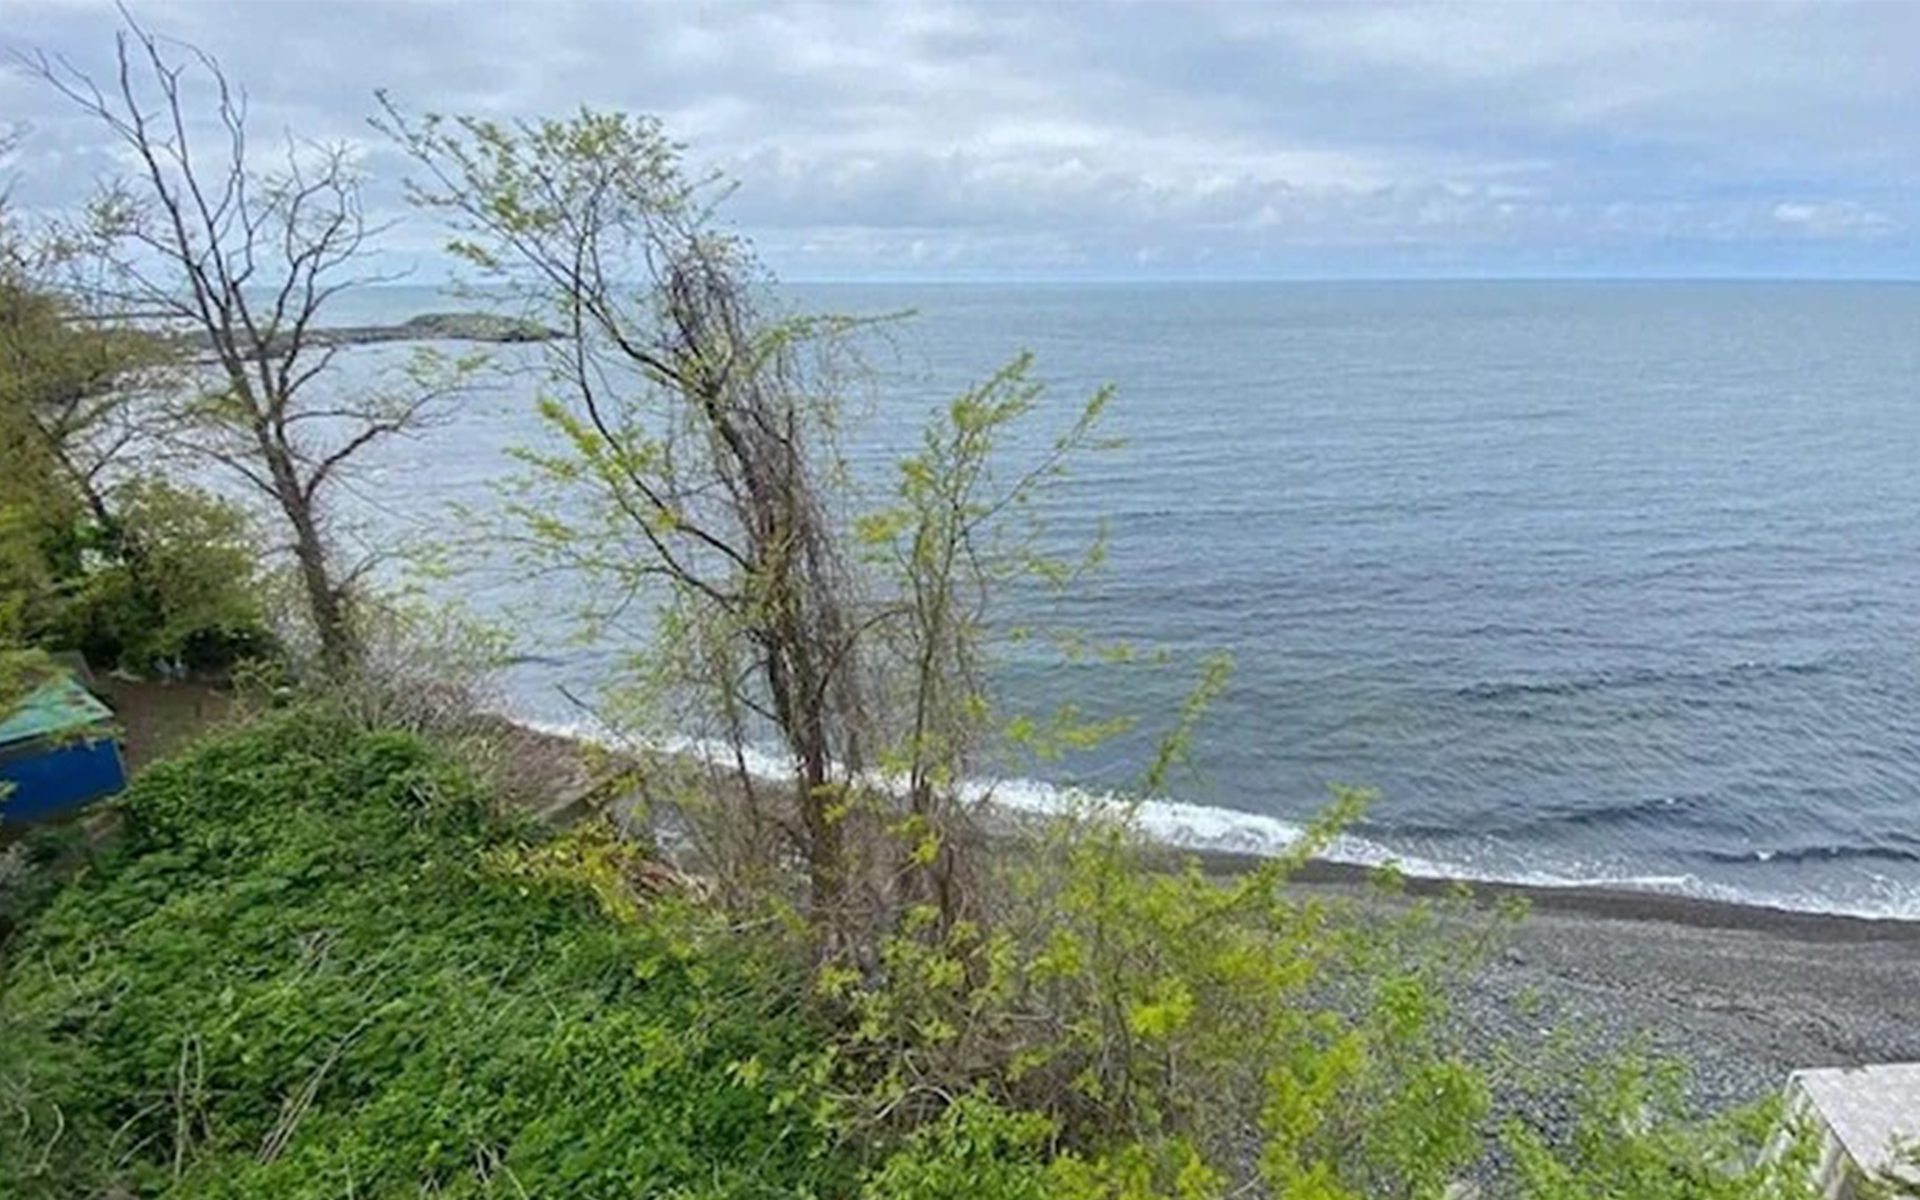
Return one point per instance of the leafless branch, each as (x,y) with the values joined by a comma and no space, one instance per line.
(248,252)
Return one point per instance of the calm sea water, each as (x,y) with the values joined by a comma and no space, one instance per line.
(1589,581)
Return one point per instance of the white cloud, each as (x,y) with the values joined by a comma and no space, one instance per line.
(903,135)
(1832,219)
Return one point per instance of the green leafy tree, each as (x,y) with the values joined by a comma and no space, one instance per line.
(693,465)
(60,431)
(944,556)
(100,553)
(195,599)
(67,391)
(690,428)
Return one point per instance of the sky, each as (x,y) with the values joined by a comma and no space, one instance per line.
(1132,140)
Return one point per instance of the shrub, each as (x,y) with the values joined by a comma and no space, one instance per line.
(1179,1034)
(317,957)
(1633,1139)
(175,582)
(976,1150)
(302,975)
(1903,1181)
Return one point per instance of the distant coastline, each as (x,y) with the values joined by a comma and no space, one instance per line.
(424,327)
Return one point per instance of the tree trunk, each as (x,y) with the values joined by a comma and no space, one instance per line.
(797,709)
(338,647)
(825,868)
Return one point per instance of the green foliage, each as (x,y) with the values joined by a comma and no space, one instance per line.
(33,869)
(689,444)
(184,586)
(316,957)
(133,573)
(1634,1140)
(1902,1182)
(307,972)
(61,409)
(28,597)
(941,557)
(22,669)
(39,501)
(1181,1034)
(975,1150)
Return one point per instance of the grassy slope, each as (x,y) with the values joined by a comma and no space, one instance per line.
(304,972)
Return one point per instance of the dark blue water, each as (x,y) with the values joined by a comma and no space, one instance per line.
(1588,581)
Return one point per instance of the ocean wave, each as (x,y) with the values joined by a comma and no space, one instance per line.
(1731,675)
(1544,817)
(1811,854)
(1200,827)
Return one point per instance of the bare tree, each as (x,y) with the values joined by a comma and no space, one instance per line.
(246,261)
(10,136)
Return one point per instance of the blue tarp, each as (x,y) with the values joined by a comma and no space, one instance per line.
(57,753)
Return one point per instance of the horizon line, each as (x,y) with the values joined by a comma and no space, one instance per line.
(964,280)
(811,278)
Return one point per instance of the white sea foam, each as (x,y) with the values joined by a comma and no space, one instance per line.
(1201,827)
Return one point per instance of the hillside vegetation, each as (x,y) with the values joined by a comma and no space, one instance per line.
(315,966)
(317,962)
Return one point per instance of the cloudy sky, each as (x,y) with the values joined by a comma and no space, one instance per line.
(1117,139)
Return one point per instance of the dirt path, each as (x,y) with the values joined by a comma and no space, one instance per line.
(160,719)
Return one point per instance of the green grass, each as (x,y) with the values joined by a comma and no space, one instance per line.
(304,972)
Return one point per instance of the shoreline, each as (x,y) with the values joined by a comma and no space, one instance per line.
(1598,901)
(1593,900)
(1740,995)
(159,717)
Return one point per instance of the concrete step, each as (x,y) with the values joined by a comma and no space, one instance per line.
(1866,1117)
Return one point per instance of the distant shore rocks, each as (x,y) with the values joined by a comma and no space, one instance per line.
(429,327)
(458,326)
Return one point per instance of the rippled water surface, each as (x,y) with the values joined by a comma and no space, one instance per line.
(1588,581)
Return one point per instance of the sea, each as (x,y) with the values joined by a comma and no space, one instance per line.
(1587,583)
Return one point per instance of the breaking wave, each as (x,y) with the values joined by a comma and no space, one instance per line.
(1206,828)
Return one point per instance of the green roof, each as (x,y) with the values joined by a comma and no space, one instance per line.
(57,706)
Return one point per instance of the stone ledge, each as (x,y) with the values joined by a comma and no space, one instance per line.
(1865,1116)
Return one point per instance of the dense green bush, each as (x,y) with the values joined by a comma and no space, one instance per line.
(98,551)
(172,579)
(1172,1034)
(176,580)
(308,971)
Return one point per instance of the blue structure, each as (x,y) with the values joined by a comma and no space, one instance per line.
(57,753)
